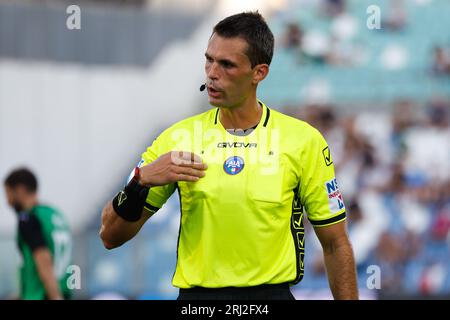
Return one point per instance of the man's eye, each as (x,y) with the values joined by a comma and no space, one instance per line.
(227,64)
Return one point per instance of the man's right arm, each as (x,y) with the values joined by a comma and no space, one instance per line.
(171,167)
(115,230)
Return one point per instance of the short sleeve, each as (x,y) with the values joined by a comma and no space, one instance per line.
(157,196)
(31,231)
(319,191)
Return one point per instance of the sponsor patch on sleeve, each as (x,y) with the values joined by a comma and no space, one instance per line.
(335,200)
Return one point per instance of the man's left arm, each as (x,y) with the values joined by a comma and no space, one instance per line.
(339,260)
(320,195)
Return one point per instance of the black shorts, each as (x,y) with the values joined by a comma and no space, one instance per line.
(261,292)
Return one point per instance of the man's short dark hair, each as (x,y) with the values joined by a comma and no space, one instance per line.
(252,27)
(24,177)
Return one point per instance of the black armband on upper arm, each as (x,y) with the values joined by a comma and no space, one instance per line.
(130,202)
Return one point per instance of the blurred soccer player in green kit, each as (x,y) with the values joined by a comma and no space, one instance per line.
(43,238)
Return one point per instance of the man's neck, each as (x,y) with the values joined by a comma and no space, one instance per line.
(244,116)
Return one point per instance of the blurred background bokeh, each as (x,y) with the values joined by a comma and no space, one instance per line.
(79,107)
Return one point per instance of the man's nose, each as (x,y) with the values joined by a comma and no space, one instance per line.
(212,72)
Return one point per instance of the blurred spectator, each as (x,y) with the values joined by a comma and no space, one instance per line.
(293,36)
(344,49)
(441,62)
(403,118)
(334,7)
(438,112)
(427,158)
(397,16)
(432,279)
(292,39)
(316,46)
(322,117)
(371,221)
(341,53)
(440,229)
(390,255)
(354,214)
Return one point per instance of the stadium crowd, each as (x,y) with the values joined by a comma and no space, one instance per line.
(392,156)
(394,171)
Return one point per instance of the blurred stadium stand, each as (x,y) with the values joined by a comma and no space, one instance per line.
(382,100)
(363,64)
(110,35)
(376,95)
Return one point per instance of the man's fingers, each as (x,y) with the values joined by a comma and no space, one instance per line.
(185,177)
(199,166)
(189,171)
(185,158)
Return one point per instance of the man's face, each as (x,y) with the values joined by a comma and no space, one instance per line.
(15,197)
(228,70)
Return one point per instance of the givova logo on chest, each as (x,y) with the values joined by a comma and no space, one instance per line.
(237,145)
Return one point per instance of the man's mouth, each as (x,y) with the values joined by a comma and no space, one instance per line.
(212,92)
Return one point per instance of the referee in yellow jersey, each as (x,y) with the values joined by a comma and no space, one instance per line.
(246,175)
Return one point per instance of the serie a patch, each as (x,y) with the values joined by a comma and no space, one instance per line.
(335,200)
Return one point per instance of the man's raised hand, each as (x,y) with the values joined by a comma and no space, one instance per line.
(172,167)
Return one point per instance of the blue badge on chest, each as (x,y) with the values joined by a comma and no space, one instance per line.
(233,165)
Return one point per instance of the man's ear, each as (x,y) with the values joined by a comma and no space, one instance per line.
(260,71)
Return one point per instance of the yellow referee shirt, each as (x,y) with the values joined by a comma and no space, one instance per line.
(242,224)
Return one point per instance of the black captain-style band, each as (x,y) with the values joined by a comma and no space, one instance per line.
(130,201)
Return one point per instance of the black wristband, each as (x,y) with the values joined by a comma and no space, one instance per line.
(130,202)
